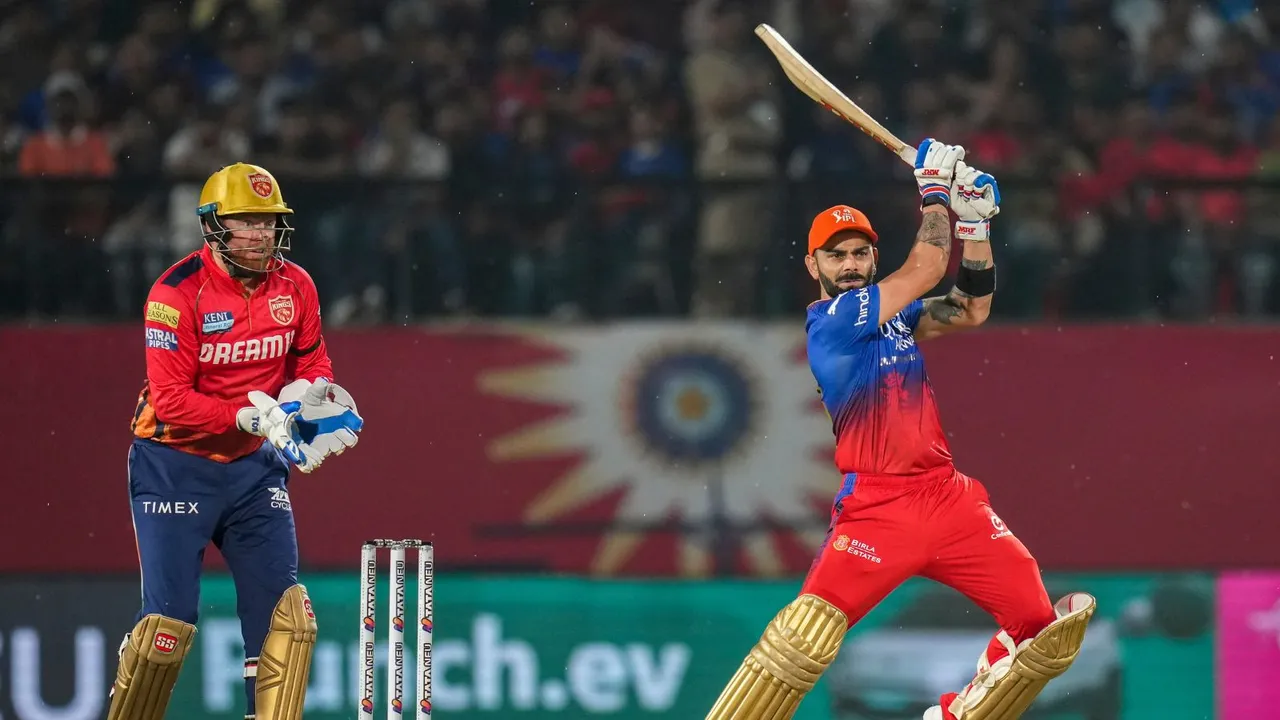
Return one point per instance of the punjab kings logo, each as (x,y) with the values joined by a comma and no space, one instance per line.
(261,184)
(281,307)
(702,423)
(841,544)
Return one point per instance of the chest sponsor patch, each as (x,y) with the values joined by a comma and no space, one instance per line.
(161,339)
(216,322)
(253,350)
(158,312)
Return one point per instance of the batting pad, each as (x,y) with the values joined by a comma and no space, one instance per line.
(284,665)
(1005,690)
(150,659)
(796,648)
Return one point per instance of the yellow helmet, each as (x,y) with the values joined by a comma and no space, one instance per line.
(243,189)
(240,189)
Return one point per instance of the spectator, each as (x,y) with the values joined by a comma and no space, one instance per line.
(738,124)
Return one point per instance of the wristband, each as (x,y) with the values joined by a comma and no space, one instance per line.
(976,283)
(976,231)
(935,198)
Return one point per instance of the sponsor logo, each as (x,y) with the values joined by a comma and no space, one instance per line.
(165,643)
(216,322)
(864,300)
(1001,530)
(897,331)
(157,507)
(280,498)
(272,346)
(161,339)
(158,312)
(261,184)
(306,607)
(846,544)
(281,307)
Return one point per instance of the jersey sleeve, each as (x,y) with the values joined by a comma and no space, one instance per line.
(172,361)
(853,316)
(309,356)
(911,314)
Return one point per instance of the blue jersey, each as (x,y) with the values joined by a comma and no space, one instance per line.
(874,386)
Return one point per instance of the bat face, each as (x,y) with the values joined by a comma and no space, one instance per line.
(820,90)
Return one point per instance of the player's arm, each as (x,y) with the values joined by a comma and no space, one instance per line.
(309,356)
(975,199)
(172,361)
(924,268)
(926,263)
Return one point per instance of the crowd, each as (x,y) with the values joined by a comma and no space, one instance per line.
(601,158)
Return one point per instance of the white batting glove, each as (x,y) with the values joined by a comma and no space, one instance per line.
(935,171)
(276,423)
(975,198)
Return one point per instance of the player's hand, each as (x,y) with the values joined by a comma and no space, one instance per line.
(327,409)
(328,420)
(975,198)
(274,421)
(935,170)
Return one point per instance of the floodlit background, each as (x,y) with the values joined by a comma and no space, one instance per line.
(559,248)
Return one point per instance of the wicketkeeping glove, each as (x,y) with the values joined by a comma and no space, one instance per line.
(935,170)
(328,420)
(975,198)
(273,421)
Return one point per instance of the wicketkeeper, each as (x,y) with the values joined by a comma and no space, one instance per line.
(239,390)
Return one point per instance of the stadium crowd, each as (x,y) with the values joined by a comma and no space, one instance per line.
(602,158)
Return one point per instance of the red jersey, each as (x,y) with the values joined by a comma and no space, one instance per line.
(210,341)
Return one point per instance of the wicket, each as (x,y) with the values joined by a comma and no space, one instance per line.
(395,625)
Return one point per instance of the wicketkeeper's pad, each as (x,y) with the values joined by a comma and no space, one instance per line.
(284,665)
(150,658)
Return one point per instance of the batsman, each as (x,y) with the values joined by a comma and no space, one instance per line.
(238,391)
(903,508)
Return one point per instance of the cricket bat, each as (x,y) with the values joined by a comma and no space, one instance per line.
(803,76)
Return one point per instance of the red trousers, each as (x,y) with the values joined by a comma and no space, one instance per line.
(938,525)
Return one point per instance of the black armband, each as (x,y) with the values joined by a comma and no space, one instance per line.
(976,283)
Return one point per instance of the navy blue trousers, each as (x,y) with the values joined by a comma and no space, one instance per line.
(181,503)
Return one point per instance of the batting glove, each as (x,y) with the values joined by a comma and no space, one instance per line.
(975,197)
(935,169)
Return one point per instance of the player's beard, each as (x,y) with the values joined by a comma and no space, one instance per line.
(251,261)
(832,289)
